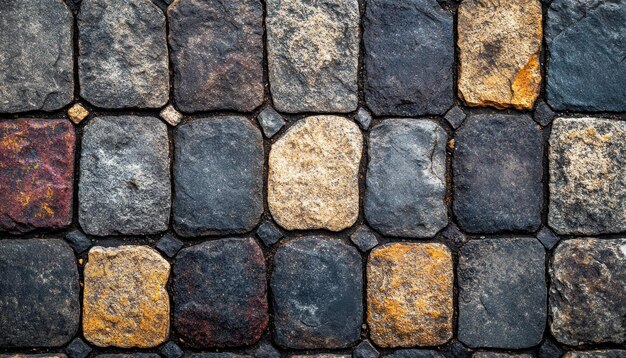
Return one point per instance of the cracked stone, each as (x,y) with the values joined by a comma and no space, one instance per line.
(269,233)
(547,238)
(365,350)
(169,245)
(543,114)
(171,115)
(455,117)
(78,241)
(77,113)
(271,121)
(364,238)
(171,350)
(78,349)
(364,118)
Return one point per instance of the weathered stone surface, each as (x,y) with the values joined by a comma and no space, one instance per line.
(129,355)
(607,353)
(363,118)
(365,350)
(364,238)
(547,238)
(499,44)
(123,59)
(497,167)
(500,355)
(77,113)
(314,174)
(266,350)
(218,176)
(219,293)
(171,350)
(36,176)
(78,241)
(78,349)
(36,65)
(41,355)
(586,68)
(169,245)
(218,355)
(502,293)
(38,275)
(406,181)
(587,171)
(313,50)
(549,350)
(170,115)
(271,121)
(410,295)
(543,114)
(587,291)
(453,236)
(322,355)
(415,353)
(317,294)
(217,54)
(125,302)
(455,117)
(458,350)
(409,54)
(124,185)
(269,233)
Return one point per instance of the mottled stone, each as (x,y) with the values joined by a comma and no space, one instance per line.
(502,293)
(406,183)
(543,114)
(587,171)
(124,185)
(363,118)
(365,350)
(587,291)
(77,113)
(171,350)
(408,59)
(497,165)
(78,241)
(415,353)
(218,355)
(313,50)
(218,176)
(501,355)
(499,45)
(129,355)
(78,349)
(219,293)
(410,295)
(217,54)
(271,121)
(317,294)
(364,238)
(266,350)
(169,245)
(40,355)
(123,60)
(269,233)
(170,115)
(549,350)
(36,64)
(125,302)
(455,117)
(36,176)
(454,237)
(547,238)
(605,353)
(322,355)
(313,180)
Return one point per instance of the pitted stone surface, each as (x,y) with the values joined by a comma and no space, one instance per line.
(605,353)
(123,60)
(313,174)
(125,302)
(313,50)
(170,115)
(217,54)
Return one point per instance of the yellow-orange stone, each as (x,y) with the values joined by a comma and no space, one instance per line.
(77,113)
(125,301)
(410,294)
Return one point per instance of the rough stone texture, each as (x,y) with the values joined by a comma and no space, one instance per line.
(455,117)
(36,176)
(317,294)
(169,245)
(587,176)
(78,349)
(123,60)
(38,275)
(499,45)
(549,350)
(269,233)
(543,114)
(314,173)
(170,115)
(77,113)
(323,355)
(78,241)
(414,353)
(614,353)
(125,302)
(500,355)
(271,121)
(219,293)
(218,355)
(266,350)
(171,350)
(365,350)
(313,50)
(586,70)
(406,183)
(547,238)
(458,350)
(497,166)
(218,176)
(124,185)
(453,236)
(409,54)
(587,291)
(364,238)
(41,355)
(363,118)
(129,355)
(217,54)
(410,295)
(502,293)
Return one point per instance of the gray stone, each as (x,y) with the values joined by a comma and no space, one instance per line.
(124,184)
(123,59)
(171,350)
(217,54)
(364,238)
(218,355)
(39,293)
(587,291)
(414,353)
(218,176)
(454,236)
(502,293)
(406,181)
(365,350)
(409,56)
(497,165)
(547,237)
(458,350)
(500,355)
(78,241)
(271,121)
(169,245)
(269,233)
(605,353)
(77,349)
(364,118)
(313,50)
(129,355)
(266,350)
(36,64)
(455,117)
(549,350)
(543,113)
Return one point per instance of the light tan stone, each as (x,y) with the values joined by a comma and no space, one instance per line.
(170,115)
(77,113)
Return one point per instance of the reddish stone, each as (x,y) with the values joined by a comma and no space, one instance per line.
(36,174)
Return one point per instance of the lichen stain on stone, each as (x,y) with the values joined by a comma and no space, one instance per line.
(526,85)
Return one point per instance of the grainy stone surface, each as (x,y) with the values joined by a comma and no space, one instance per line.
(604,353)
(323,355)
(499,45)
(453,236)
(266,350)
(455,117)
(78,349)
(458,350)
(171,115)
(414,353)
(409,54)
(405,185)
(271,121)
(125,302)
(313,50)
(313,174)
(169,245)
(500,355)
(543,114)
(129,355)
(363,118)
(39,293)
(365,350)
(217,54)
(219,293)
(77,113)
(171,350)
(549,350)
(587,291)
(587,170)
(123,60)
(40,355)
(218,176)
(547,237)
(410,295)
(317,294)
(78,241)
(269,233)
(364,238)
(502,293)
(124,185)
(497,166)
(218,355)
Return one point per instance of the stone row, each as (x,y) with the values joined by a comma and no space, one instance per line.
(216,50)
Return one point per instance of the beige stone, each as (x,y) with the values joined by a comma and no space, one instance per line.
(77,113)
(314,173)
(170,115)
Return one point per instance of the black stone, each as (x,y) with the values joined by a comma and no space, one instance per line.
(364,238)
(458,350)
(365,350)
(129,355)
(266,351)
(600,353)
(549,350)
(78,241)
(547,237)
(171,350)
(455,117)
(415,353)
(269,233)
(77,349)
(218,355)
(454,236)
(543,113)
(271,121)
(364,118)
(169,245)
